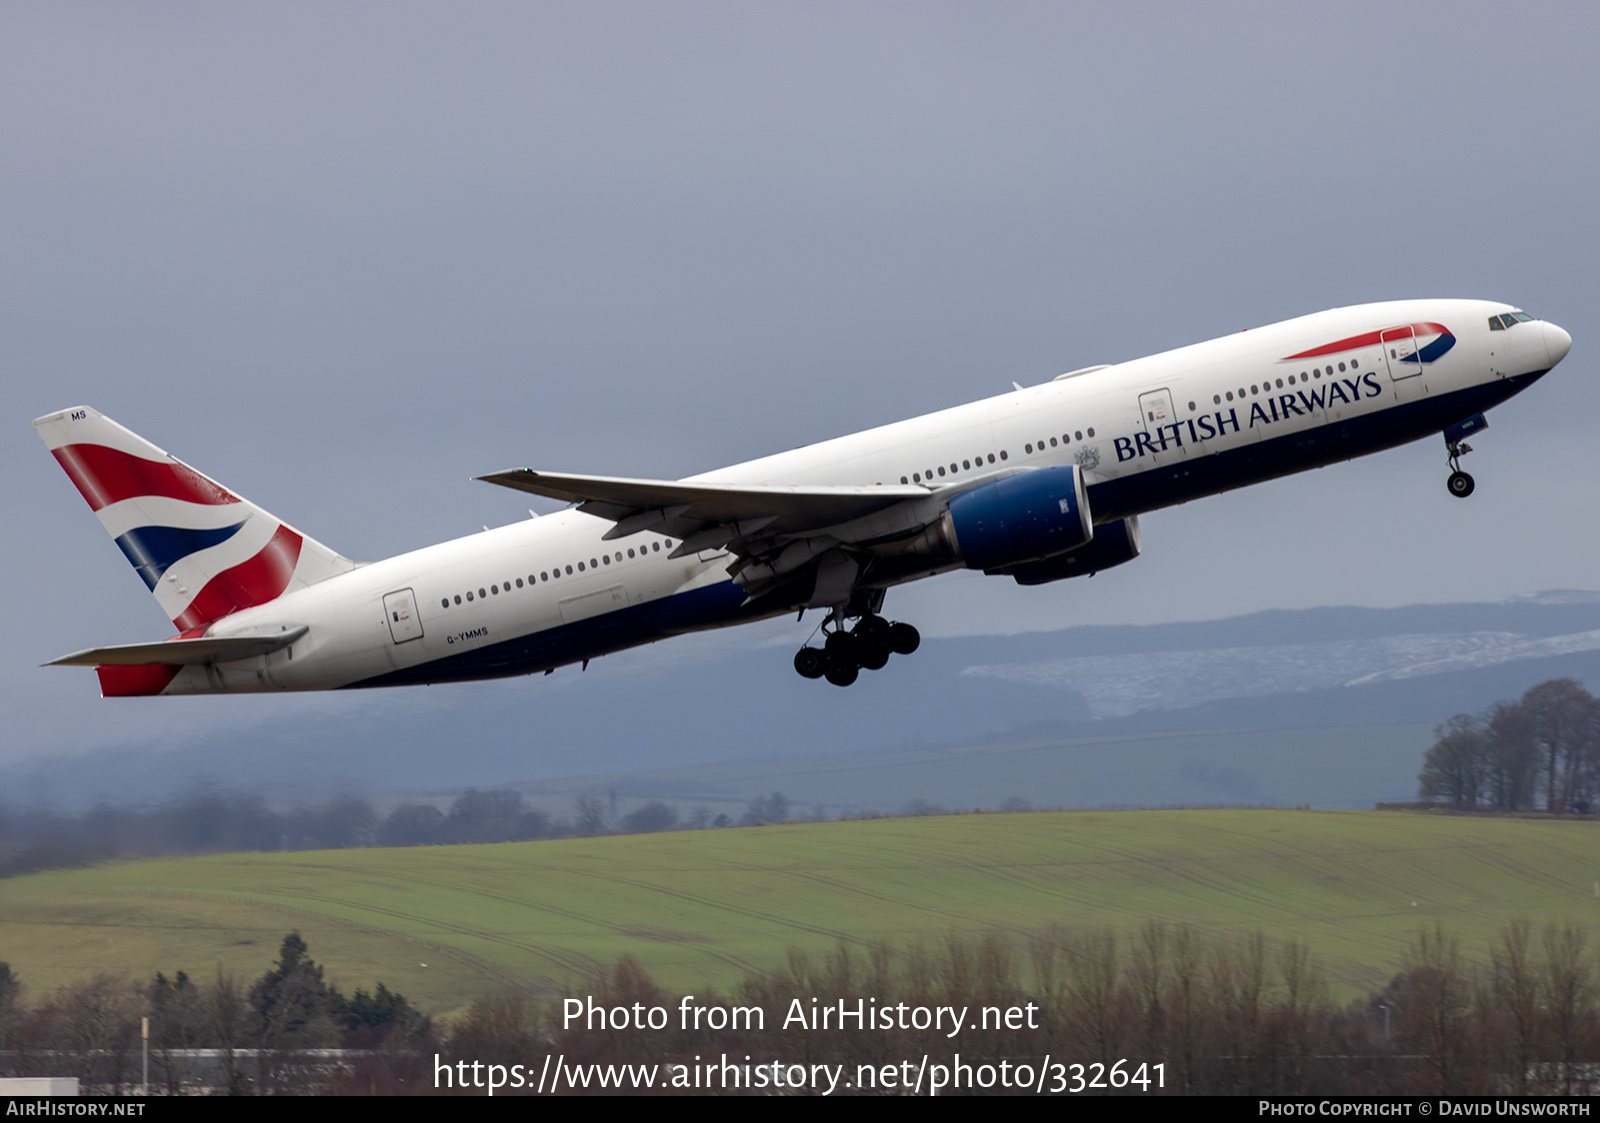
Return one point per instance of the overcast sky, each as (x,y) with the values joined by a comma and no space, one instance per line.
(342,257)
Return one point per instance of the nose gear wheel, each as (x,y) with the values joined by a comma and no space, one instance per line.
(1459,484)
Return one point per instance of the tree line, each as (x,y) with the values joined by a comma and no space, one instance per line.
(208,821)
(263,1031)
(1240,1014)
(1541,752)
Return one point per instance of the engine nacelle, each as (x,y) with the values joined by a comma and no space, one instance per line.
(1022,518)
(1113,544)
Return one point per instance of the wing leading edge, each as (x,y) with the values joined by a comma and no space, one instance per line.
(700,513)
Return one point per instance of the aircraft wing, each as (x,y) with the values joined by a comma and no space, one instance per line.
(708,515)
(217,649)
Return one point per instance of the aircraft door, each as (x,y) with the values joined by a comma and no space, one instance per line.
(1399,344)
(400,609)
(1160,422)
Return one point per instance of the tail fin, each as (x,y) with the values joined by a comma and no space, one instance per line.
(203,551)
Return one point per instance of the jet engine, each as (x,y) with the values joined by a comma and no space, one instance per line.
(1113,544)
(1020,519)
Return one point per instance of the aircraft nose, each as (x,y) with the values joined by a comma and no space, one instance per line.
(1556,343)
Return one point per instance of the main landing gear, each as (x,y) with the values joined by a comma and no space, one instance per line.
(1459,484)
(867,645)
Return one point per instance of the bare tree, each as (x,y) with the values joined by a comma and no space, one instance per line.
(227,1025)
(1456,769)
(96,1024)
(1238,985)
(177,1023)
(10,1014)
(1513,756)
(1569,985)
(1186,1000)
(1092,991)
(1438,1000)
(1517,991)
(1559,712)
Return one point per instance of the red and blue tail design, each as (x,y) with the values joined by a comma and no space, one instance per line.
(202,550)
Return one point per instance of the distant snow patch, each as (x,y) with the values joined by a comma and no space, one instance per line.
(1119,685)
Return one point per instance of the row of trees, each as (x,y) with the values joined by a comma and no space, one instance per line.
(263,1031)
(1221,1015)
(210,821)
(1539,753)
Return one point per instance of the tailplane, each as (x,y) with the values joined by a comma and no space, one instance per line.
(202,550)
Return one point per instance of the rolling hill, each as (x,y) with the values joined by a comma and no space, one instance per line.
(702,908)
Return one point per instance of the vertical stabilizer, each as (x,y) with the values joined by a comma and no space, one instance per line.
(202,550)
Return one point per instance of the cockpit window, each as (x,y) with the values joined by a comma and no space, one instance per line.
(1495,324)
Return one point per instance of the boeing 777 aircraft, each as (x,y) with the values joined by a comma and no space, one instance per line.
(1038,485)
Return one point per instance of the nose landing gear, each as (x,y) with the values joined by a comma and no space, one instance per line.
(1459,484)
(867,646)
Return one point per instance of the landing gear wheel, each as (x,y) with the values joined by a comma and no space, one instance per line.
(903,639)
(811,662)
(841,648)
(873,655)
(1460,484)
(870,628)
(842,674)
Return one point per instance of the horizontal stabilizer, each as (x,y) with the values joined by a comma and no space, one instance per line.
(668,504)
(176,652)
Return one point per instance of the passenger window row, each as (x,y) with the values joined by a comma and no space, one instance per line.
(1066,439)
(553,574)
(979,460)
(964,466)
(1260,387)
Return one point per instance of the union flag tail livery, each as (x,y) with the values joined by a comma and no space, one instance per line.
(1039,485)
(202,550)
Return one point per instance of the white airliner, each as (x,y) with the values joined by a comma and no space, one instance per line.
(1038,485)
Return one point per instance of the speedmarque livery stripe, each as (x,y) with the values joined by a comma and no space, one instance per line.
(107,475)
(152,549)
(259,579)
(1425,354)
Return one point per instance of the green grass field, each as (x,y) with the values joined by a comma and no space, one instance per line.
(701,908)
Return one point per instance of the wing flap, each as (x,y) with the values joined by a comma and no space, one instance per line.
(177,652)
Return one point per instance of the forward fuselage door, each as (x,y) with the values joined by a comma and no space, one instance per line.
(1400,352)
(1160,423)
(400,609)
